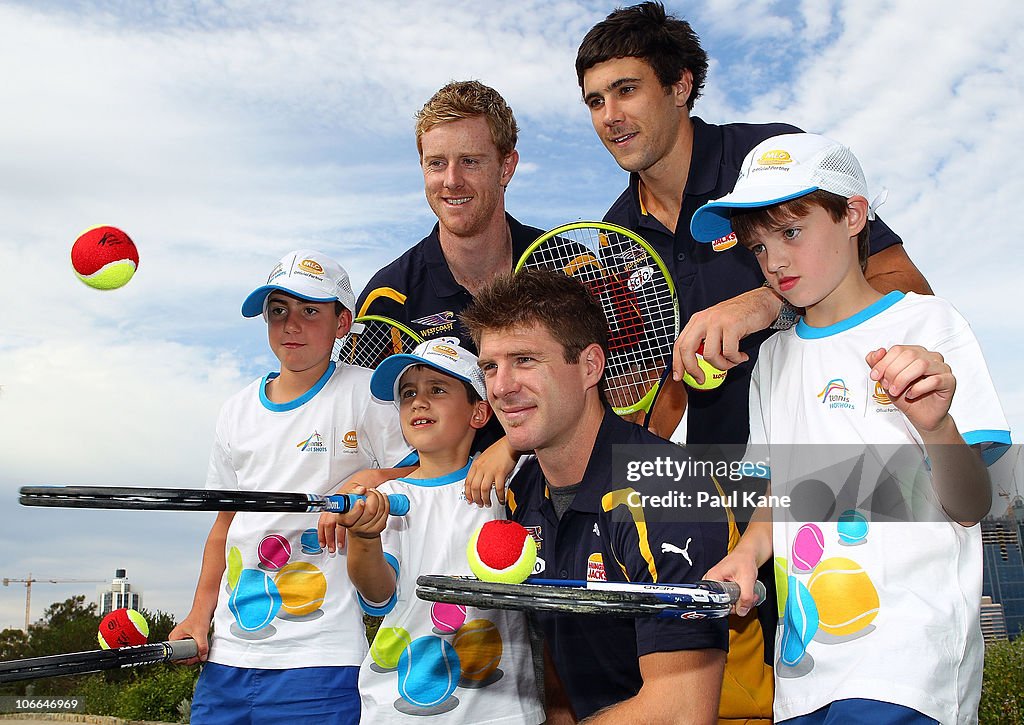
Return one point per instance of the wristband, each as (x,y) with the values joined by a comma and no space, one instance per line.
(787,314)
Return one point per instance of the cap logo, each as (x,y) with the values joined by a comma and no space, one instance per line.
(308,265)
(723,243)
(776,157)
(277,271)
(445,350)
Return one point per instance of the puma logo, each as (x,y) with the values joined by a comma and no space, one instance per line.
(667,548)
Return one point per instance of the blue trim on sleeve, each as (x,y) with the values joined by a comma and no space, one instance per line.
(806,332)
(992,443)
(452,477)
(390,604)
(299,401)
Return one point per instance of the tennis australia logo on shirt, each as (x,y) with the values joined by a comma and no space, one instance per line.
(835,394)
(313,444)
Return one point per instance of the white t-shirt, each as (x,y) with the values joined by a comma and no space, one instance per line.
(495,675)
(284,601)
(877,609)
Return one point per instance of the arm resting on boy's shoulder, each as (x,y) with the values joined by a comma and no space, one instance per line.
(196,624)
(891,269)
(679,687)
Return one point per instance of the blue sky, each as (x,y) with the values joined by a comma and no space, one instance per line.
(220,135)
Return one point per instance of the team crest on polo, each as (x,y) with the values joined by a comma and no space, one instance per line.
(835,394)
(727,242)
(595,568)
(313,444)
(435,324)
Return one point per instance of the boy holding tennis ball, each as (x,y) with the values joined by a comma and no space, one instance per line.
(885,627)
(440,395)
(288,634)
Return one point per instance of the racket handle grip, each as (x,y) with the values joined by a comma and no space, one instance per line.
(734,591)
(398,502)
(182,649)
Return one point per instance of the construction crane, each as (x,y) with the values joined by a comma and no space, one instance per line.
(31,580)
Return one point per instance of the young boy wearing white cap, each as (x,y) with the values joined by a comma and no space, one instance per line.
(288,634)
(881,617)
(454,664)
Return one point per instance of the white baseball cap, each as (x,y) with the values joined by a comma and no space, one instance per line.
(308,275)
(442,353)
(779,169)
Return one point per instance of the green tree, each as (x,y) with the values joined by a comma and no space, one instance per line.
(1002,694)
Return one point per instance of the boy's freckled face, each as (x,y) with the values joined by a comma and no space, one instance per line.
(806,258)
(302,333)
(434,409)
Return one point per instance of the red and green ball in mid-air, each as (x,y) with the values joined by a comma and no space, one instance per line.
(104,257)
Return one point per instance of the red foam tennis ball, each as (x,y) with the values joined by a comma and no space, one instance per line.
(104,257)
(501,551)
(123,628)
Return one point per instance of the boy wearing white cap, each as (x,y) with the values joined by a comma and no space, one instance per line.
(886,630)
(454,664)
(288,634)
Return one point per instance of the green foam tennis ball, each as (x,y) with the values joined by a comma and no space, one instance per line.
(713,377)
(104,257)
(501,551)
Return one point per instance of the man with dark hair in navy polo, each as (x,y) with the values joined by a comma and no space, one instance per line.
(466,136)
(543,342)
(640,72)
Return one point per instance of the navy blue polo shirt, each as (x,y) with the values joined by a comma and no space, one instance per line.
(419,290)
(596,657)
(706,274)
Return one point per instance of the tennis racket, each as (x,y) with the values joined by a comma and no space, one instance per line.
(195,499)
(373,338)
(80,663)
(701,600)
(635,289)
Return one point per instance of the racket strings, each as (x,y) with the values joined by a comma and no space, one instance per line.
(376,341)
(635,296)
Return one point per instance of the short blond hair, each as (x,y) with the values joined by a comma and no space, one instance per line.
(469,99)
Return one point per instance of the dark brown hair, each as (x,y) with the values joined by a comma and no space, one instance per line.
(667,44)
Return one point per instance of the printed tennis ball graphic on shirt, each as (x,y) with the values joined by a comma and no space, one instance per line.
(808,546)
(428,672)
(254,601)
(274,551)
(478,644)
(302,587)
(447,618)
(388,645)
(501,551)
(846,598)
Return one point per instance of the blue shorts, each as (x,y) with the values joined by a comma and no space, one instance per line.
(861,712)
(243,696)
